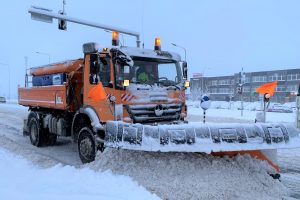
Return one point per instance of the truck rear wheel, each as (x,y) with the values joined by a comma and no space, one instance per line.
(35,132)
(86,145)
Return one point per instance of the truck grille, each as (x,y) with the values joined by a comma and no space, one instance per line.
(154,112)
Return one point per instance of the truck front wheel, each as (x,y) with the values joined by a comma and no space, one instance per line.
(86,145)
(35,132)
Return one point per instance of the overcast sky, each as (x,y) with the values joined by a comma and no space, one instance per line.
(220,36)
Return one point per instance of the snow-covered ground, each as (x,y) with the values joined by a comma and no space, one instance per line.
(247,115)
(21,179)
(234,105)
(221,110)
(194,176)
(55,172)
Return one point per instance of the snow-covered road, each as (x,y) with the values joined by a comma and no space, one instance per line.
(170,176)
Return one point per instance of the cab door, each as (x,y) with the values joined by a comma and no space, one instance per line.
(97,71)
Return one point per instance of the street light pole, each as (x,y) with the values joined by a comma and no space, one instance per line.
(181,48)
(8,68)
(26,66)
(46,54)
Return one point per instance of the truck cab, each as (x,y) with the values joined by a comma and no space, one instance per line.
(142,85)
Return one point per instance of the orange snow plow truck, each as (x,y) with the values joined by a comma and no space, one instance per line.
(134,98)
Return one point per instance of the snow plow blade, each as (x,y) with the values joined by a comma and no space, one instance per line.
(199,137)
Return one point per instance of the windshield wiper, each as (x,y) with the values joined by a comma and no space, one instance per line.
(169,86)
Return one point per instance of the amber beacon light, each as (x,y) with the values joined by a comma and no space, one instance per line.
(115,38)
(157,44)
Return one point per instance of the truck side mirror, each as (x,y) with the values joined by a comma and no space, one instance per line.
(94,69)
(110,85)
(184,69)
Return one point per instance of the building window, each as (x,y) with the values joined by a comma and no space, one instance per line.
(292,88)
(246,89)
(247,79)
(224,82)
(281,78)
(253,89)
(280,88)
(293,77)
(259,79)
(277,77)
(214,90)
(224,91)
(214,83)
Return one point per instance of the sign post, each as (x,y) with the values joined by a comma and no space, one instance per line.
(205,104)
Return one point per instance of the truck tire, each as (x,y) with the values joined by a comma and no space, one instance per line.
(86,145)
(35,132)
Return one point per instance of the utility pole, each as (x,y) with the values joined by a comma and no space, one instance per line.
(64,4)
(46,54)
(241,82)
(298,108)
(26,67)
(62,24)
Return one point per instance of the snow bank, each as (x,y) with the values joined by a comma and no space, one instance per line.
(193,176)
(225,115)
(236,105)
(21,180)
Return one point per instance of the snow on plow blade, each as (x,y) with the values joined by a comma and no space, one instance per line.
(199,137)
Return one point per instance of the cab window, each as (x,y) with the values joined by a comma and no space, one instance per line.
(99,70)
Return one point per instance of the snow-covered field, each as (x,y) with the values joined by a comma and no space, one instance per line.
(56,172)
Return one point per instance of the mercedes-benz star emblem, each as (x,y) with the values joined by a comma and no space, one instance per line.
(159,110)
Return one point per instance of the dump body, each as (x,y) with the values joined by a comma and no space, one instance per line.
(45,97)
(46,90)
(62,67)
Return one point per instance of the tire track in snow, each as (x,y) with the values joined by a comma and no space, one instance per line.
(64,152)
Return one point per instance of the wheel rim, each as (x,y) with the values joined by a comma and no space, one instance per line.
(34,132)
(86,148)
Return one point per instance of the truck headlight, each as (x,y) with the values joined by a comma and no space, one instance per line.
(186,84)
(126,83)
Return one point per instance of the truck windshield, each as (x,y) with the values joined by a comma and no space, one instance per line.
(151,72)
